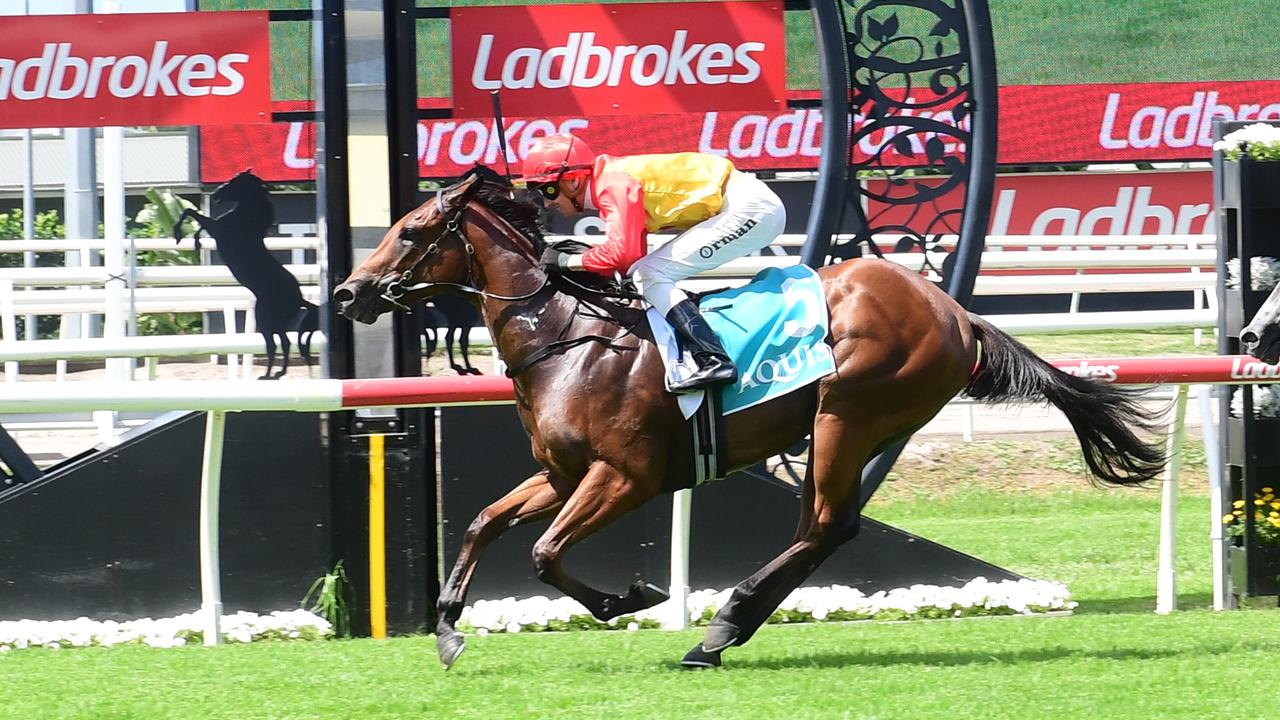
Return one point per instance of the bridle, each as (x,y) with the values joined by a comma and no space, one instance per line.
(397,289)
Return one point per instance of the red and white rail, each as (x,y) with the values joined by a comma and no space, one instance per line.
(221,397)
(334,395)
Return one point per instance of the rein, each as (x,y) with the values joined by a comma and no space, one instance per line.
(561,344)
(453,228)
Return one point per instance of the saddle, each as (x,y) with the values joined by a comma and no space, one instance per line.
(774,329)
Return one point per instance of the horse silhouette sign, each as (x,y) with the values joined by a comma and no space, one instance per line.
(240,232)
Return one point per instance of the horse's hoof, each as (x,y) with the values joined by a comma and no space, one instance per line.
(719,636)
(449,647)
(698,659)
(648,594)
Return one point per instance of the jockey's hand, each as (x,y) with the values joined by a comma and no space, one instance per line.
(554,260)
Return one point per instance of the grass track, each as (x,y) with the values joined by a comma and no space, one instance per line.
(1100,666)
(1113,659)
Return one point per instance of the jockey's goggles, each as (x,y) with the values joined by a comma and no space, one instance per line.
(549,186)
(548,190)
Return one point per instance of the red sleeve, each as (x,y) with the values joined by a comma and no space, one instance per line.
(620,200)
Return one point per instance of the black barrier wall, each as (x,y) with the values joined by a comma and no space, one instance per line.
(738,525)
(114,535)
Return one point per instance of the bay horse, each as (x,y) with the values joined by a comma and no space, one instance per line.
(590,393)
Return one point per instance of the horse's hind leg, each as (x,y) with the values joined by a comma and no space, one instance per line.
(532,499)
(464,335)
(284,355)
(304,348)
(270,341)
(830,516)
(603,496)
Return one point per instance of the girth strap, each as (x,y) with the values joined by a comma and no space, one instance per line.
(708,439)
(559,346)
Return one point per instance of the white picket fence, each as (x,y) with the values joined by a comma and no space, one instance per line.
(1101,264)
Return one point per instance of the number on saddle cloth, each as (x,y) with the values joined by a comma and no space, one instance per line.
(774,329)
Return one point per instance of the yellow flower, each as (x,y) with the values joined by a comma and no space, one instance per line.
(1238,503)
(1268,497)
(1228,518)
(1267,490)
(1273,514)
(1276,504)
(1258,502)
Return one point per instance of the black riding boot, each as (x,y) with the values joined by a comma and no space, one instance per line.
(714,365)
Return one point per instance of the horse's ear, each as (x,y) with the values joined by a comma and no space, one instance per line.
(461,193)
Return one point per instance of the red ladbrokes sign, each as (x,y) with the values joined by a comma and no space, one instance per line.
(619,59)
(134,69)
(1038,124)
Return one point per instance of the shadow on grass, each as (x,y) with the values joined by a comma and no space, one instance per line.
(1145,604)
(963,658)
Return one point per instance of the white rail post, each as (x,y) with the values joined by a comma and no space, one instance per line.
(681,512)
(8,325)
(229,325)
(1217,540)
(1166,577)
(210,490)
(113,225)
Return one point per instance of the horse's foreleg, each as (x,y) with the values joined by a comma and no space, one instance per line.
(830,516)
(533,499)
(191,214)
(603,496)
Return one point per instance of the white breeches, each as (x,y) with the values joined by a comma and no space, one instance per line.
(752,217)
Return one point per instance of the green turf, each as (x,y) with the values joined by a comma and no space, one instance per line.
(1113,659)
(1191,665)
(1120,343)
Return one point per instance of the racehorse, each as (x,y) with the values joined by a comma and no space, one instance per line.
(279,307)
(590,392)
(1261,337)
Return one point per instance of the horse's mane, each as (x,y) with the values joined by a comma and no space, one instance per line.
(497,194)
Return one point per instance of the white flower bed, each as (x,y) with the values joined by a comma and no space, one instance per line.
(241,627)
(1264,272)
(1266,401)
(813,604)
(1236,143)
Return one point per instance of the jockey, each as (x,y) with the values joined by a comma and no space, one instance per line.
(720,213)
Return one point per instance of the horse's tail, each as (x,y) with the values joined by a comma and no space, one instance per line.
(310,318)
(1103,416)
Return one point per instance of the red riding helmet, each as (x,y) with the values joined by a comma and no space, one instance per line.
(556,156)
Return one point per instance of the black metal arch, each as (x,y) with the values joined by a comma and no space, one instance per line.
(872,55)
(893,49)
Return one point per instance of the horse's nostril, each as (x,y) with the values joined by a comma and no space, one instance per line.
(1249,338)
(343,295)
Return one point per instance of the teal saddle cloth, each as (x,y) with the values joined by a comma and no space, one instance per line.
(775,329)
